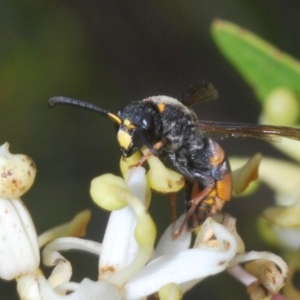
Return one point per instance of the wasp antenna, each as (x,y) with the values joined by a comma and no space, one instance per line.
(69,101)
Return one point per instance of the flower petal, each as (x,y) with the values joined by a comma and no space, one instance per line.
(282,176)
(76,227)
(289,147)
(267,273)
(168,245)
(131,234)
(50,252)
(63,269)
(162,179)
(19,248)
(257,292)
(289,238)
(27,287)
(284,216)
(244,175)
(109,191)
(87,290)
(268,268)
(230,224)
(183,266)
(119,245)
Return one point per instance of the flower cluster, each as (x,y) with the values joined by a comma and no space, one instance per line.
(129,267)
(279,225)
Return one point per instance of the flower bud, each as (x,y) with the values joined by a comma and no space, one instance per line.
(281,108)
(109,192)
(162,179)
(17,173)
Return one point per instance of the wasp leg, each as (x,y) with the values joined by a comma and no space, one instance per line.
(194,202)
(172,201)
(144,158)
(181,169)
(147,143)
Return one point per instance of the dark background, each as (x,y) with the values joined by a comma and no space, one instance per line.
(110,53)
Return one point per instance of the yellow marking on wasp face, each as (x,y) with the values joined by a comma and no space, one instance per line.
(115,118)
(128,124)
(161,107)
(124,139)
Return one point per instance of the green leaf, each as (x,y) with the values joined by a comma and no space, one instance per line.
(261,64)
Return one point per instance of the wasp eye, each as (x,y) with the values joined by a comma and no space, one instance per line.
(147,122)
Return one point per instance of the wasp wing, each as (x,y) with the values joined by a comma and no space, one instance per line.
(197,93)
(265,132)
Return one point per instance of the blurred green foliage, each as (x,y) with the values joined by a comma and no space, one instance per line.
(262,65)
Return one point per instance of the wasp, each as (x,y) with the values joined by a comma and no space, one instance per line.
(168,127)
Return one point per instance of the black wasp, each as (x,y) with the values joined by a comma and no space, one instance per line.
(168,127)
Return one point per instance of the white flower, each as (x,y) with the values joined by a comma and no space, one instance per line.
(19,247)
(19,252)
(129,266)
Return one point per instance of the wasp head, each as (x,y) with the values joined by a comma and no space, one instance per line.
(141,125)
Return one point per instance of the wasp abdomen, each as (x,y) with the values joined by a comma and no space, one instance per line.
(212,172)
